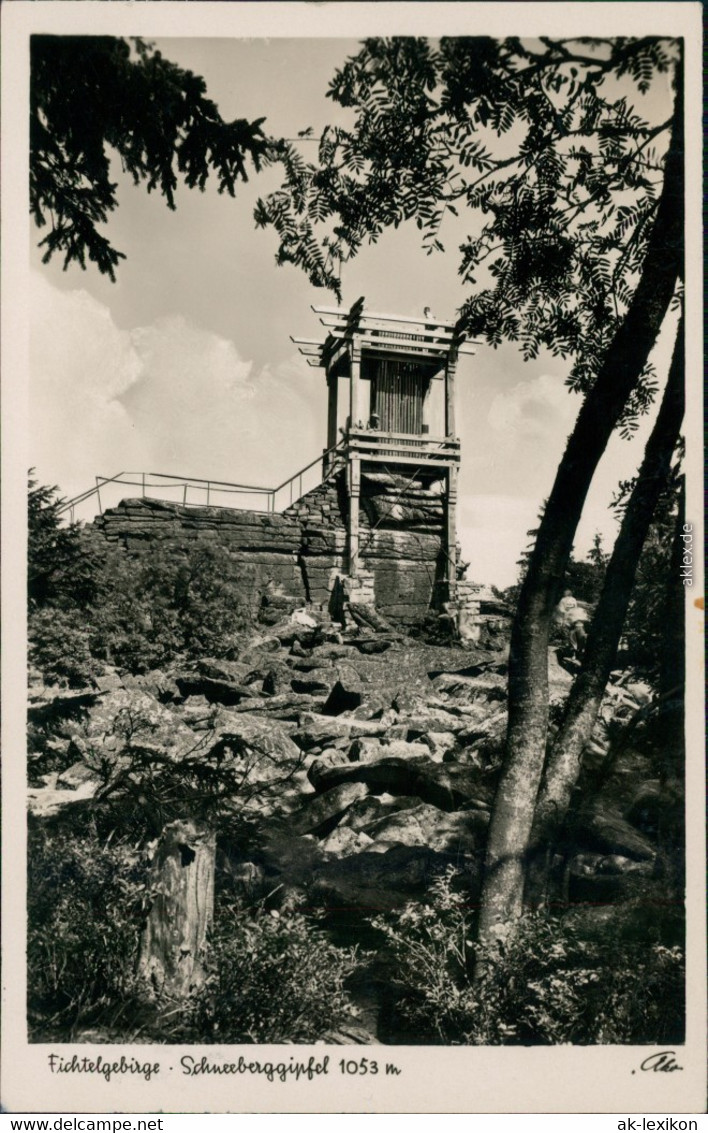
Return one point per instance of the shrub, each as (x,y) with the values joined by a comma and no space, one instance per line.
(549,985)
(160,606)
(272,978)
(61,568)
(94,603)
(83,919)
(209,602)
(59,646)
(155,608)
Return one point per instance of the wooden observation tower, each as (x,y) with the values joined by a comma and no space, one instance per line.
(391,386)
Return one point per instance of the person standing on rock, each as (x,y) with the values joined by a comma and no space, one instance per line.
(448,620)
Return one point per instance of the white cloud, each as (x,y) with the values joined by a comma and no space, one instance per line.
(527,426)
(533,409)
(80,364)
(492,531)
(167,397)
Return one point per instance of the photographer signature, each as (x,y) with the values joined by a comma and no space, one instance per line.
(662,1060)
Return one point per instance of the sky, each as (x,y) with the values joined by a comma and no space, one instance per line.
(185,365)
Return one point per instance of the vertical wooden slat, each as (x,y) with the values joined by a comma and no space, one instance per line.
(450,367)
(354,492)
(397,387)
(355,373)
(332,385)
(451,533)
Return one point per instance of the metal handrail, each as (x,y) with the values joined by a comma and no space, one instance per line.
(143,480)
(353,439)
(227,485)
(307,467)
(69,505)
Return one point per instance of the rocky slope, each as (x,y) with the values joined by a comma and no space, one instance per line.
(343,770)
(361,762)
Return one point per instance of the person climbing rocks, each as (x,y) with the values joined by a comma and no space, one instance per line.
(572,618)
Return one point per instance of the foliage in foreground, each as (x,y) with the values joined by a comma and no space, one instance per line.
(91,604)
(273,978)
(83,915)
(91,94)
(551,151)
(270,977)
(553,983)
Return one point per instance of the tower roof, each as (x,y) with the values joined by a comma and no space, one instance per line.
(427,339)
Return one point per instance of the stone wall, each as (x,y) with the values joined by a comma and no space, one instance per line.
(401,540)
(302,551)
(320,515)
(266,547)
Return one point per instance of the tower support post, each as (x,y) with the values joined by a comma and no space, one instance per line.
(354,383)
(332,389)
(450,368)
(451,531)
(354,484)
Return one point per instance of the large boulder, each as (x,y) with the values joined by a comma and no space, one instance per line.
(606,879)
(370,646)
(216,690)
(447,786)
(221,670)
(320,731)
(48,707)
(314,681)
(131,719)
(440,744)
(242,727)
(657,808)
(343,841)
(367,748)
(283,706)
(324,810)
(361,815)
(601,828)
(433,718)
(468,688)
(332,757)
(425,825)
(343,697)
(489,730)
(48,801)
(76,777)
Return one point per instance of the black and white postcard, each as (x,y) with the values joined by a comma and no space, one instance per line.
(352,558)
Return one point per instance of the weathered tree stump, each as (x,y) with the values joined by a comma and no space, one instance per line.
(182,910)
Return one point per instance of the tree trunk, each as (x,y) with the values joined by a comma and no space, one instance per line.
(182,889)
(514,805)
(672,665)
(563,766)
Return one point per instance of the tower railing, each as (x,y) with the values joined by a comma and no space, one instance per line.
(192,491)
(402,448)
(375,445)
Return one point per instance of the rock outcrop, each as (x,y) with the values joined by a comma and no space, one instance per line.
(300,553)
(265,547)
